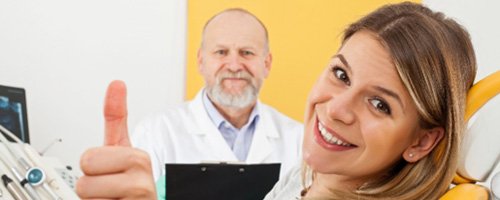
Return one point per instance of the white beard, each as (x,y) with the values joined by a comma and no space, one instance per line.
(242,100)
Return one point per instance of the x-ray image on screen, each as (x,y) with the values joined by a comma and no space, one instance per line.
(11,116)
(13,112)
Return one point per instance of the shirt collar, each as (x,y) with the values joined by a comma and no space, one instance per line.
(218,119)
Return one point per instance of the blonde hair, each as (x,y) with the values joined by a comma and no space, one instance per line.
(436,63)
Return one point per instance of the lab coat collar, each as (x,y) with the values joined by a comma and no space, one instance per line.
(262,143)
(264,137)
(207,131)
(217,117)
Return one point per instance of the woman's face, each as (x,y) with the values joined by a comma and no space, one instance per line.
(359,117)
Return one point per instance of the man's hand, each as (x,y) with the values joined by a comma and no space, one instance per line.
(116,170)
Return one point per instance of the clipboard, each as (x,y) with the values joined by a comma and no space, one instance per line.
(220,181)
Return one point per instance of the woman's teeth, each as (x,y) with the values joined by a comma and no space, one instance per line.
(328,137)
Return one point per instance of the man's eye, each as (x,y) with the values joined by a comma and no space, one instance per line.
(246,53)
(381,106)
(220,52)
(341,75)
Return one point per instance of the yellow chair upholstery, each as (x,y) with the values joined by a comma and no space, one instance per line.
(480,150)
(467,191)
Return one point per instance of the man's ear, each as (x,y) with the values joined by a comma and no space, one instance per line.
(268,62)
(425,142)
(199,59)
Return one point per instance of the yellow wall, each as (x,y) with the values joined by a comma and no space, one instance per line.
(303,35)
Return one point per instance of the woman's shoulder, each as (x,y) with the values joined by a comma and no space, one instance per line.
(289,186)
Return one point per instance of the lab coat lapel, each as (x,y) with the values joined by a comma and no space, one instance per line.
(208,132)
(262,143)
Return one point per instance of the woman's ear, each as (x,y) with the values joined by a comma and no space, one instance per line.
(424,143)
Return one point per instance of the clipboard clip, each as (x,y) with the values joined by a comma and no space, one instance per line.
(222,162)
(241,169)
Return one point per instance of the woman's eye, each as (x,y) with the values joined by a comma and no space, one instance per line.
(380,106)
(341,75)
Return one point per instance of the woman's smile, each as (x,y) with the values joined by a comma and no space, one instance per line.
(329,139)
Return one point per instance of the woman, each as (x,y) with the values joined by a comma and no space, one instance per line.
(385,118)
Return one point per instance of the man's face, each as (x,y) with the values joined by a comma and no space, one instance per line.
(234,59)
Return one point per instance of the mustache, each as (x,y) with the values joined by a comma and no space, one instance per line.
(240,75)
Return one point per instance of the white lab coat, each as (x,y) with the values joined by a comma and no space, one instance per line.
(185,134)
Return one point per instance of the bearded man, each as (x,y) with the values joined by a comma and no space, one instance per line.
(225,121)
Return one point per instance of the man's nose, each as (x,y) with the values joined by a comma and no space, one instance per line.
(234,62)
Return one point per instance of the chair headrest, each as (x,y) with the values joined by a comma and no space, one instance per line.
(480,150)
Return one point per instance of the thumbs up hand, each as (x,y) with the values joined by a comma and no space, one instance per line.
(116,170)
(115,114)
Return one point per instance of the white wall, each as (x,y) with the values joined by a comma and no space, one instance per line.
(480,17)
(65,52)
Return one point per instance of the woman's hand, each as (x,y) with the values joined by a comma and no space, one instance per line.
(116,170)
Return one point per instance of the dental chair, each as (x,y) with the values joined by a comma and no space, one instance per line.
(478,173)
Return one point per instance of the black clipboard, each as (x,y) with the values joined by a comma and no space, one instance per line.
(220,181)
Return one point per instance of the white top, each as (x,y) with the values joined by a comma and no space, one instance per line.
(288,187)
(185,134)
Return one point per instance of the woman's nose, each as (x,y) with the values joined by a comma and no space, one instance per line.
(341,106)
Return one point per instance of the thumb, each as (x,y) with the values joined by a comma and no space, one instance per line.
(115,115)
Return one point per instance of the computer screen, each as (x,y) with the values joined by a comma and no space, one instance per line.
(13,113)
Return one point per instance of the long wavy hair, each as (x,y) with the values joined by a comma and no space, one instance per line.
(435,60)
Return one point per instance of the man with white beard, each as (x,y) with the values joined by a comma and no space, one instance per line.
(225,121)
